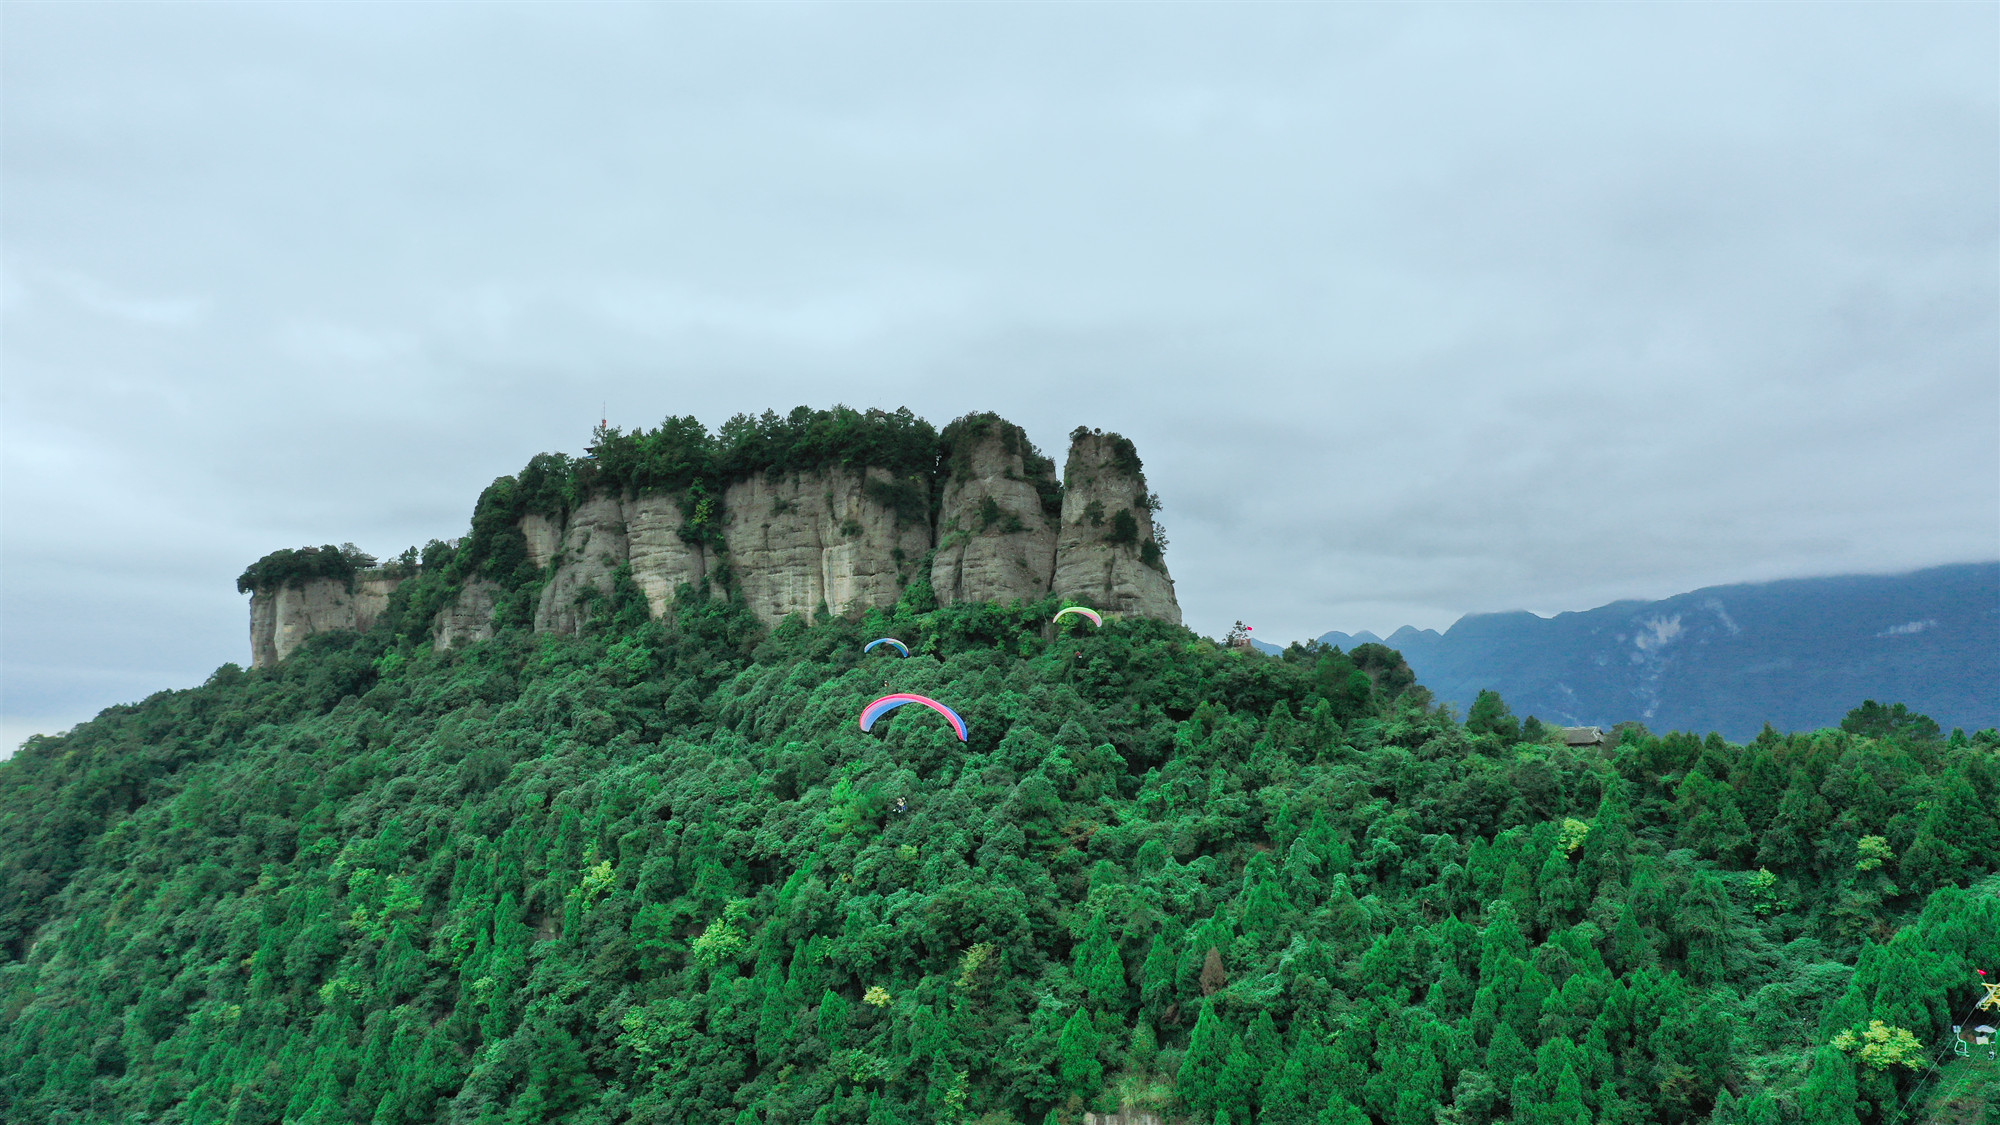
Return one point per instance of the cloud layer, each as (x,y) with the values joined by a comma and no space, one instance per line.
(1412,311)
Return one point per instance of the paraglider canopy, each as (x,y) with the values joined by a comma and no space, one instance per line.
(1090,613)
(890,641)
(889,703)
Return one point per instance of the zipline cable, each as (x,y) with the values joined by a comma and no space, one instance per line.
(1902,1104)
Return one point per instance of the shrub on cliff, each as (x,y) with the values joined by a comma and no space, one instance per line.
(808,439)
(287,567)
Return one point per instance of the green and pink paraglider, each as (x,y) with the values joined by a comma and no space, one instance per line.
(889,703)
(1077,609)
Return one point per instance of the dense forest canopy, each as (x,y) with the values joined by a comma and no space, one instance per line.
(655,873)
(681,454)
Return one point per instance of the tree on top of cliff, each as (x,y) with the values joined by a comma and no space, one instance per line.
(808,439)
(1124,455)
(1037,468)
(297,567)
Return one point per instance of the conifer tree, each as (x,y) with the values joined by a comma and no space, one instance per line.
(1829,1094)
(1236,1086)
(1077,1049)
(1567,1107)
(1201,1067)
(1285,1097)
(1099,968)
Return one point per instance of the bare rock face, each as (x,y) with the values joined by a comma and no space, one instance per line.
(263,628)
(593,545)
(995,542)
(469,618)
(1107,533)
(661,559)
(839,539)
(281,619)
(544,535)
(807,540)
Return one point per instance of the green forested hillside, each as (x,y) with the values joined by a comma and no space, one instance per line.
(656,874)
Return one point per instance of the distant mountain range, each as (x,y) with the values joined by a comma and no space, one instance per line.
(1799,654)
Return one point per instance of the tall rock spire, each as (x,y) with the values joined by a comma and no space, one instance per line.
(996,538)
(1107,552)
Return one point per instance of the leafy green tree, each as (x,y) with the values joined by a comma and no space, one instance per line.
(1491,715)
(1874,720)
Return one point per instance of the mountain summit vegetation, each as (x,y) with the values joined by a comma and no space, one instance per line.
(654,872)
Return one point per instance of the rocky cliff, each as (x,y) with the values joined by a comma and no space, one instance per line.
(996,536)
(838,534)
(1107,553)
(832,540)
(468,618)
(281,618)
(588,545)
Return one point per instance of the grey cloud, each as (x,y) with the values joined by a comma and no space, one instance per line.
(1411,311)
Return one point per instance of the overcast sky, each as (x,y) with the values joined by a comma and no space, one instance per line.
(1411,311)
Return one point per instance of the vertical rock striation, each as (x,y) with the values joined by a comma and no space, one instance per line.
(593,546)
(833,540)
(1106,554)
(842,538)
(283,617)
(469,618)
(662,561)
(544,535)
(996,538)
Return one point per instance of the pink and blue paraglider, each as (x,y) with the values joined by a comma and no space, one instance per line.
(889,703)
(890,641)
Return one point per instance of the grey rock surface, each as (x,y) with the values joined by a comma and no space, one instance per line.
(1105,500)
(593,545)
(281,619)
(995,542)
(469,618)
(802,541)
(661,560)
(841,539)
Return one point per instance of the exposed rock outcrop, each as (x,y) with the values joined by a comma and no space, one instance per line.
(469,618)
(841,538)
(803,541)
(282,618)
(995,540)
(544,535)
(593,545)
(661,560)
(1106,554)
(606,532)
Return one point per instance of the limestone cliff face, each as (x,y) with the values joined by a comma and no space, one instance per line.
(661,560)
(843,539)
(1107,530)
(806,540)
(469,619)
(544,535)
(602,534)
(281,619)
(995,542)
(593,545)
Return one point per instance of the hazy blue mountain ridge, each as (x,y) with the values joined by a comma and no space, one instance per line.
(1797,653)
